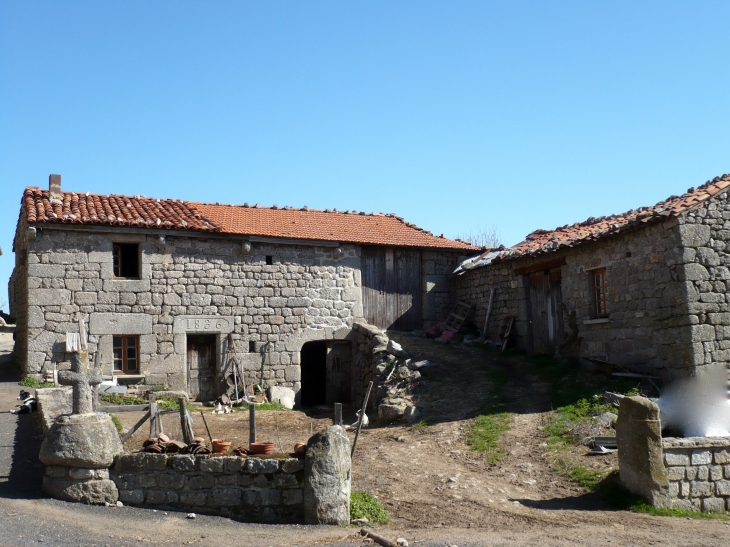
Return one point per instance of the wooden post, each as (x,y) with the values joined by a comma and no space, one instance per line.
(185,426)
(205,423)
(338,414)
(489,313)
(153,415)
(251,424)
(362,415)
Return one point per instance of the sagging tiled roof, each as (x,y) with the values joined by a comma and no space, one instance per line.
(545,241)
(350,226)
(286,222)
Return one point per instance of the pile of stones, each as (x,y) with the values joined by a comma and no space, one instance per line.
(396,377)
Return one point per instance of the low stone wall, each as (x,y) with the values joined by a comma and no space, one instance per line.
(250,489)
(698,470)
(690,473)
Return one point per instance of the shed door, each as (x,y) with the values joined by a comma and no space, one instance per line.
(201,367)
(391,288)
(339,377)
(545,311)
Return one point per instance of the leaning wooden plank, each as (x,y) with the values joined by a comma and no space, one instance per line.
(135,427)
(123,408)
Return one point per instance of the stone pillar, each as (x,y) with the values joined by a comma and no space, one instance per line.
(327,478)
(640,453)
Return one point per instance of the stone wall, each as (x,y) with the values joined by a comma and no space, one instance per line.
(690,473)
(698,469)
(249,489)
(18,290)
(510,299)
(705,236)
(647,323)
(189,285)
(371,345)
(195,285)
(436,285)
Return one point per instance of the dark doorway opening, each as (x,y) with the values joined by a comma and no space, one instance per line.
(314,373)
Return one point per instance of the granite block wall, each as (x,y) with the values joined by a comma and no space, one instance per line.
(248,489)
(647,292)
(698,469)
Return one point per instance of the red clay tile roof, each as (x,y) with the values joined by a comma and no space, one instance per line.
(137,211)
(143,212)
(545,241)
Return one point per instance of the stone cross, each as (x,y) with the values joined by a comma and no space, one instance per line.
(81,376)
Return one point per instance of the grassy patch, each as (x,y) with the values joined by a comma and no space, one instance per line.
(615,495)
(30,381)
(420,426)
(116,399)
(117,423)
(589,479)
(163,403)
(266,406)
(644,507)
(363,504)
(485,434)
(562,420)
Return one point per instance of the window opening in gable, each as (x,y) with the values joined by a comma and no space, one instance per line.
(126,354)
(126,260)
(599,292)
(269,260)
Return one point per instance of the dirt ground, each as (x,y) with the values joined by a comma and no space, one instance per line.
(429,479)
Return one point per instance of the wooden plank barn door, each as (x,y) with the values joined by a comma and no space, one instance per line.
(391,288)
(201,367)
(545,311)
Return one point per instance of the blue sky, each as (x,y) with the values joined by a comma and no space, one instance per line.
(454,115)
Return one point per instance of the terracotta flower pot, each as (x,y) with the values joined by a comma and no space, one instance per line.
(220,447)
(262,448)
(300,449)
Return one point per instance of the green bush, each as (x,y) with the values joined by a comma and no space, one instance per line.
(30,381)
(363,504)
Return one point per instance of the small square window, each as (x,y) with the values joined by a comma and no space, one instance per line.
(598,283)
(126,354)
(269,260)
(126,260)
(251,346)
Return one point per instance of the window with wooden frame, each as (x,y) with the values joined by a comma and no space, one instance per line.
(598,284)
(126,260)
(126,354)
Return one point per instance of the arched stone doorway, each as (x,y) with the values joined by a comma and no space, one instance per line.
(326,372)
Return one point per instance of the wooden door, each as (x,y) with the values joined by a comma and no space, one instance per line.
(201,367)
(391,287)
(545,312)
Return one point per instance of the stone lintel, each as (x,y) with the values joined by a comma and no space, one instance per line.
(203,323)
(120,323)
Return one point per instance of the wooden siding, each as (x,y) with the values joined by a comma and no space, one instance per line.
(391,287)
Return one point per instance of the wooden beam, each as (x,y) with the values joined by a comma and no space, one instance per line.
(135,427)
(123,408)
(540,266)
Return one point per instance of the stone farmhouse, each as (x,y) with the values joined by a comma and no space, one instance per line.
(162,283)
(647,289)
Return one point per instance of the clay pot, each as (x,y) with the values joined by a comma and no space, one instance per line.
(262,448)
(220,447)
(300,449)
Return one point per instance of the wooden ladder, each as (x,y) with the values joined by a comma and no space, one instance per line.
(505,330)
(457,317)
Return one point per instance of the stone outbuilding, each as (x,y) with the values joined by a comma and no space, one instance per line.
(162,283)
(646,289)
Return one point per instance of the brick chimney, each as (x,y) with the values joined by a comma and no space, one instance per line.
(54,186)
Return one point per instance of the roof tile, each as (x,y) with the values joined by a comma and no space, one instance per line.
(286,222)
